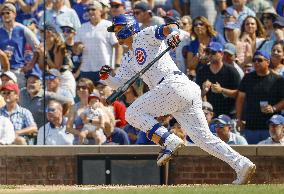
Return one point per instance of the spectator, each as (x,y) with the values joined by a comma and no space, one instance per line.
(8,77)
(142,11)
(31,96)
(106,9)
(69,35)
(186,23)
(229,58)
(259,6)
(54,91)
(267,18)
(278,29)
(253,32)
(276,131)
(54,132)
(223,127)
(260,95)
(219,22)
(203,33)
(91,119)
(7,133)
(81,9)
(84,88)
(117,7)
(277,58)
(114,135)
(21,118)
(242,11)
(93,41)
(218,81)
(13,46)
(60,14)
(208,111)
(248,68)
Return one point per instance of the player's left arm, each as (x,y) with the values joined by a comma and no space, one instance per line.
(170,32)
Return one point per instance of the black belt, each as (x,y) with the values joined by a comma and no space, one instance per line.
(175,73)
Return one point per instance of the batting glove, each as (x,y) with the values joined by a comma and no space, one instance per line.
(173,39)
(104,72)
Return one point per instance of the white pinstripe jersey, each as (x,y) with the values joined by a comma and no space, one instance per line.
(145,48)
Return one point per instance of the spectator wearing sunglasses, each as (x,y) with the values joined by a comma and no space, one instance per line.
(10,42)
(262,93)
(219,82)
(117,7)
(96,44)
(21,118)
(54,132)
(223,127)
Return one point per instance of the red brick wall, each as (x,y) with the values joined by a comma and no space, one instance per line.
(207,169)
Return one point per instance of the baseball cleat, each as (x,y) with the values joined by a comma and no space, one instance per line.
(173,144)
(245,175)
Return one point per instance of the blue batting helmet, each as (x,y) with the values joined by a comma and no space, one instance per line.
(131,25)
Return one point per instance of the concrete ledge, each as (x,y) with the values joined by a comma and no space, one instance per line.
(191,150)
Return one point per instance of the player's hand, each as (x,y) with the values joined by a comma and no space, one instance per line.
(173,39)
(104,72)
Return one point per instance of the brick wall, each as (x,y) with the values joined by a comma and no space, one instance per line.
(58,165)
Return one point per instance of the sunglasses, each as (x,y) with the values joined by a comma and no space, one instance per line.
(5,13)
(82,88)
(50,77)
(115,6)
(67,30)
(6,92)
(48,109)
(136,12)
(257,60)
(198,24)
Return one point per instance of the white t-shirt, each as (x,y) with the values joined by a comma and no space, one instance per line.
(67,81)
(98,42)
(7,133)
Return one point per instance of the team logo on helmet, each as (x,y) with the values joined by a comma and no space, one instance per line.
(140,55)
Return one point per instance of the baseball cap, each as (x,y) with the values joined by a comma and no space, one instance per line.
(94,95)
(67,25)
(261,53)
(206,106)
(172,16)
(11,75)
(231,26)
(33,73)
(276,119)
(230,48)
(229,11)
(117,2)
(95,4)
(8,5)
(215,46)
(52,74)
(105,3)
(279,22)
(144,6)
(11,87)
(224,119)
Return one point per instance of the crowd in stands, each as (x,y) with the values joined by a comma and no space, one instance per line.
(51,53)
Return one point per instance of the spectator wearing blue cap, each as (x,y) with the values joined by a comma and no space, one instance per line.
(276,131)
(33,94)
(262,93)
(227,15)
(223,126)
(218,81)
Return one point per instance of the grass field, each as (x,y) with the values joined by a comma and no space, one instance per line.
(181,189)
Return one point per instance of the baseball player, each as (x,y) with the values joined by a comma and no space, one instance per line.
(171,92)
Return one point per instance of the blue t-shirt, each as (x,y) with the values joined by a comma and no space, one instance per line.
(81,10)
(119,137)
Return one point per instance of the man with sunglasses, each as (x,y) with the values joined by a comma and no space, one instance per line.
(117,7)
(54,131)
(223,127)
(171,92)
(21,118)
(219,82)
(262,93)
(96,44)
(10,42)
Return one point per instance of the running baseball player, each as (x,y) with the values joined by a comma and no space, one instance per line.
(171,92)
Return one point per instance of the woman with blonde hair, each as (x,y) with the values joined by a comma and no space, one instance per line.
(203,33)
